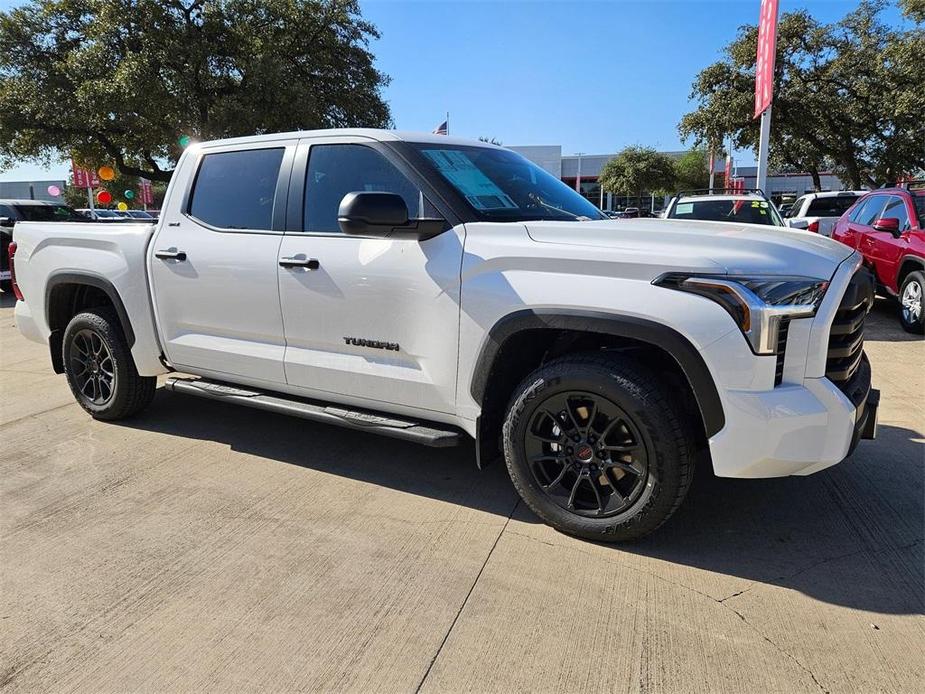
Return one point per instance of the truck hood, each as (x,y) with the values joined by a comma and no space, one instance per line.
(716,247)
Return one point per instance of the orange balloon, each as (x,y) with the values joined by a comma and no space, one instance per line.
(107,173)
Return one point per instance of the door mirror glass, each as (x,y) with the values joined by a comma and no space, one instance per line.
(383,215)
(890,224)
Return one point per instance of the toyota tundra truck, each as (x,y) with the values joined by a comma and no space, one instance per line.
(434,289)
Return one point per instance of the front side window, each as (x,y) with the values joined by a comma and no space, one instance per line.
(797,207)
(871,210)
(500,185)
(335,170)
(896,207)
(236,190)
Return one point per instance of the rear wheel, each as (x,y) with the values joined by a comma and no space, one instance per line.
(911,314)
(598,448)
(99,367)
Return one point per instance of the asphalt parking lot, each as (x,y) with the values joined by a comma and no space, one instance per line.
(203,546)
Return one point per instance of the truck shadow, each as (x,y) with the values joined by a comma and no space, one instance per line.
(849,536)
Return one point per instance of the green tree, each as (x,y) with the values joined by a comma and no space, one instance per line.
(847,96)
(120,82)
(691,172)
(637,170)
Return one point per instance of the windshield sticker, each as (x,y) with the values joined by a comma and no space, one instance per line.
(685,208)
(468,179)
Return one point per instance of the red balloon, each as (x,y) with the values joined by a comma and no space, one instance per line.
(104,196)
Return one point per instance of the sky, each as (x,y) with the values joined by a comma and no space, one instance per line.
(593,77)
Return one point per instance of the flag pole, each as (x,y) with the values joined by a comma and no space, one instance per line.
(447,123)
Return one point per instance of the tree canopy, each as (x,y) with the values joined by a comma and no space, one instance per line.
(637,170)
(848,96)
(109,81)
(691,170)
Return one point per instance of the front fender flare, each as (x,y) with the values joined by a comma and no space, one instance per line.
(643,330)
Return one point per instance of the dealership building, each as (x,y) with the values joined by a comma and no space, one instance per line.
(587,167)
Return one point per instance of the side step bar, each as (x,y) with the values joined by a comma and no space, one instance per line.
(428,433)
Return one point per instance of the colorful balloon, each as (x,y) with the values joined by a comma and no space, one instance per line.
(54,191)
(184,141)
(122,207)
(107,173)
(129,194)
(104,197)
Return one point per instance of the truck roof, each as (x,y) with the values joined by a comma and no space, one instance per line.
(368,133)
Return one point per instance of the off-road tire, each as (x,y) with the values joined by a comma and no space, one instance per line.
(667,431)
(909,323)
(130,392)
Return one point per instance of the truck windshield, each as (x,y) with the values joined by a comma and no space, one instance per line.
(500,185)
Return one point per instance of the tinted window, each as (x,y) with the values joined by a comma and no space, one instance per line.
(235,190)
(896,207)
(919,201)
(831,206)
(870,210)
(49,213)
(335,170)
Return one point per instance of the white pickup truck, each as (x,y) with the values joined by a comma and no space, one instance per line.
(430,288)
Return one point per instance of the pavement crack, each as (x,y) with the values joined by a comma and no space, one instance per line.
(446,636)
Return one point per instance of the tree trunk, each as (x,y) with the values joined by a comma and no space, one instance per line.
(817,181)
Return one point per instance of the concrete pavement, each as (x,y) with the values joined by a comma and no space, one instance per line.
(206,547)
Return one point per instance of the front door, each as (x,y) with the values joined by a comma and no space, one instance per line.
(214,260)
(371,320)
(884,249)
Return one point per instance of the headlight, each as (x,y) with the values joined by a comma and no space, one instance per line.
(757,303)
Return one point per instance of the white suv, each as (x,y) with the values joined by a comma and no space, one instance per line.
(818,212)
(432,289)
(745,207)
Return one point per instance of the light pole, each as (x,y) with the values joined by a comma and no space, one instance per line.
(578,173)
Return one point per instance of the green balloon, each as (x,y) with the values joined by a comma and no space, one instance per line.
(129,194)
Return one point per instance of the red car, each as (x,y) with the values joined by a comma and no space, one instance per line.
(888,227)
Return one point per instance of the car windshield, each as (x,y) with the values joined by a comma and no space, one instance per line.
(139,214)
(743,210)
(108,214)
(49,213)
(500,185)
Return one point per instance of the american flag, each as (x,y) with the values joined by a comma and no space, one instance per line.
(442,129)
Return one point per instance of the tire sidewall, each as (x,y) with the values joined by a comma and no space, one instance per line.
(662,457)
(101,323)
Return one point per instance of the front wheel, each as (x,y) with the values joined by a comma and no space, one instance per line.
(912,315)
(99,367)
(597,447)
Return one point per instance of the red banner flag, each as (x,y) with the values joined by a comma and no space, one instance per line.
(764,68)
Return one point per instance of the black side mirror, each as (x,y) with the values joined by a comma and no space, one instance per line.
(383,215)
(7,222)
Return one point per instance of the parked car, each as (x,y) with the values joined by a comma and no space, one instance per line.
(139,214)
(741,207)
(12,211)
(818,212)
(98,214)
(430,288)
(888,227)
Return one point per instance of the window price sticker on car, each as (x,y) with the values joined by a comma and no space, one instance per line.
(459,170)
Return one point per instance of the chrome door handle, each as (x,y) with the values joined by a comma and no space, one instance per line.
(307,263)
(170,254)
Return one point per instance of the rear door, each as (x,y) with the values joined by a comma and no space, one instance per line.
(214,259)
(376,320)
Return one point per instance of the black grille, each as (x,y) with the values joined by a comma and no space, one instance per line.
(846,339)
(782,329)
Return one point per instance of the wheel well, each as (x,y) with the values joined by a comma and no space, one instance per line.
(527,350)
(64,301)
(909,265)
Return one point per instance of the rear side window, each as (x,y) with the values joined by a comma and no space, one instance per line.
(896,207)
(831,206)
(335,170)
(235,190)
